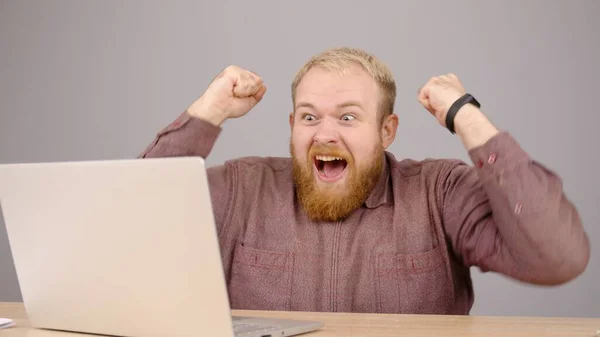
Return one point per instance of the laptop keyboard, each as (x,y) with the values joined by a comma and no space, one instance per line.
(245,329)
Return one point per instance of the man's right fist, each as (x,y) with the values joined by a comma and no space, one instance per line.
(233,93)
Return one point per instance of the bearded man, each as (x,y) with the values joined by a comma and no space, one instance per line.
(343,225)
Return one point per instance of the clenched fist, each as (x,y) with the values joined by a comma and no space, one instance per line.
(439,93)
(233,93)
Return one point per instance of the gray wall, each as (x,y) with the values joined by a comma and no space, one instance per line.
(97,79)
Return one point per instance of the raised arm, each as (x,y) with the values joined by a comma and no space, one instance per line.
(509,213)
(186,136)
(233,93)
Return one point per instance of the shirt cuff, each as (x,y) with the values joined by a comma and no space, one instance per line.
(500,153)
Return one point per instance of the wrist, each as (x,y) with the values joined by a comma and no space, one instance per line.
(473,127)
(212,116)
(467,116)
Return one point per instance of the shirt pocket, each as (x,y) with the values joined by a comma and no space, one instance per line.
(411,283)
(260,279)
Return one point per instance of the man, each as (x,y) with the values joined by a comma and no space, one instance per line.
(343,225)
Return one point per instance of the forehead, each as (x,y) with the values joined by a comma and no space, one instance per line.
(324,88)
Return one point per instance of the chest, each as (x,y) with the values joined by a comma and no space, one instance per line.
(386,259)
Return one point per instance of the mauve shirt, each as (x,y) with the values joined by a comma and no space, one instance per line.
(408,249)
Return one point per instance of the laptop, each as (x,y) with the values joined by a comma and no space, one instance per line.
(124,248)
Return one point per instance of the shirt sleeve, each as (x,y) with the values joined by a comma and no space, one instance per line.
(509,214)
(189,136)
(186,136)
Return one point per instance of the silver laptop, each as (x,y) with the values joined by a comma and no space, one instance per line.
(122,247)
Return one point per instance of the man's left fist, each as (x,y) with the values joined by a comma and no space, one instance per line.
(438,94)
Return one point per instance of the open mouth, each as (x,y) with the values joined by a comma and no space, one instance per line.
(330,168)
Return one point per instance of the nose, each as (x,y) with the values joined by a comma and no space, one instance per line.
(326,134)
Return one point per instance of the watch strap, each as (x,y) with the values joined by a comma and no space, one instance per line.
(455,107)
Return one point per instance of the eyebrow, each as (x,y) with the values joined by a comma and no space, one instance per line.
(341,105)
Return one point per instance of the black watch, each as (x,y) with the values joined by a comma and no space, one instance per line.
(465,99)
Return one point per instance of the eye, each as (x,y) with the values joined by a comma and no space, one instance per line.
(348,118)
(308,117)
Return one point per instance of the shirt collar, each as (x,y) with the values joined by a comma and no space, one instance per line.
(382,192)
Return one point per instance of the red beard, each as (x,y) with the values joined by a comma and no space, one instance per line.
(336,202)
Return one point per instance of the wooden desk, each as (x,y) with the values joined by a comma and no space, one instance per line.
(356,325)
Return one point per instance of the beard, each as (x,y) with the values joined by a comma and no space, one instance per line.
(336,201)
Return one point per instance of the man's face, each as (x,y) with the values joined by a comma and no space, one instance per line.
(337,141)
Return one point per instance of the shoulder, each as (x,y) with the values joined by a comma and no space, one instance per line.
(432,177)
(256,171)
(261,182)
(428,167)
(261,164)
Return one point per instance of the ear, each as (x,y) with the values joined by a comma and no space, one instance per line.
(388,130)
(291,120)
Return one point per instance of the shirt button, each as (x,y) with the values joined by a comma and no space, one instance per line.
(518,208)
(492,158)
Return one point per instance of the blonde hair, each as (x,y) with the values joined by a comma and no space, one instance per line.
(340,59)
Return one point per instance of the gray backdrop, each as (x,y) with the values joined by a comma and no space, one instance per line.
(86,80)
